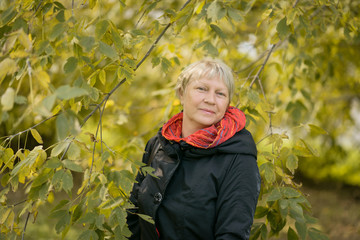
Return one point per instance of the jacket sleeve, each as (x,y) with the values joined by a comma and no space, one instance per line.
(237,199)
(132,217)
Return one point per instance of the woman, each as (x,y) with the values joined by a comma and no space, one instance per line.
(207,181)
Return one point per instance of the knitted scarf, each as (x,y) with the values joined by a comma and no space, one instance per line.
(233,121)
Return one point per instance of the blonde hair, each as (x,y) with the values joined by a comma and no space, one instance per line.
(209,68)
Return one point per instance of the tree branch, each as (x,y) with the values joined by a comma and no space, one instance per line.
(256,77)
(23,233)
(107,96)
(19,133)
(295,3)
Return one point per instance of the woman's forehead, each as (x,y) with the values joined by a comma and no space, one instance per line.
(208,80)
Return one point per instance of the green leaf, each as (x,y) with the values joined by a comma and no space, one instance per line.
(165,64)
(125,72)
(155,61)
(49,102)
(118,42)
(209,47)
(7,158)
(218,31)
(88,235)
(289,192)
(277,223)
(146,218)
(57,30)
(66,92)
(77,212)
(121,216)
(316,234)
(63,222)
(74,151)
(60,205)
(67,181)
(301,229)
(309,147)
(36,135)
(62,130)
(104,156)
(296,211)
(7,16)
(234,14)
(282,29)
(21,100)
(269,172)
(183,17)
(28,161)
(63,179)
(292,235)
(107,50)
(60,16)
(253,96)
(274,195)
(283,207)
(261,212)
(71,165)
(292,163)
(215,11)
(87,43)
(101,28)
(53,163)
(89,217)
(43,177)
(70,65)
(317,130)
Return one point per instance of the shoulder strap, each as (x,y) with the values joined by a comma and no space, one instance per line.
(154,150)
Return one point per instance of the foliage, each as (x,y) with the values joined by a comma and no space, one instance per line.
(67,112)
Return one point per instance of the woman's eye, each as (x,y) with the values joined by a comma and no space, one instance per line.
(201,88)
(221,94)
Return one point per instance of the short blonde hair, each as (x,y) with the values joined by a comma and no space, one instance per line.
(209,68)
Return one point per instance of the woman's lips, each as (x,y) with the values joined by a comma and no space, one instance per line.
(207,111)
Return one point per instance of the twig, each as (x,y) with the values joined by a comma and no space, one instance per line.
(107,96)
(256,77)
(19,203)
(295,3)
(19,133)
(23,233)
(263,65)
(72,8)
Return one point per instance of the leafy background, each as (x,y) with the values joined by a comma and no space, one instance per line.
(84,85)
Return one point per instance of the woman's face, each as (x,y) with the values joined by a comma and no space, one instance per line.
(204,103)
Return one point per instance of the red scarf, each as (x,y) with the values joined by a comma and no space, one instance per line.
(233,121)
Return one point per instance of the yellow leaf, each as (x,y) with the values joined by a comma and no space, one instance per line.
(7,66)
(51,197)
(7,99)
(43,78)
(19,54)
(25,40)
(102,76)
(266,14)
(36,135)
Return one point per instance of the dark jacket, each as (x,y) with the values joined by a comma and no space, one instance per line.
(198,193)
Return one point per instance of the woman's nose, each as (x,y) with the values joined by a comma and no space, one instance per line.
(210,98)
